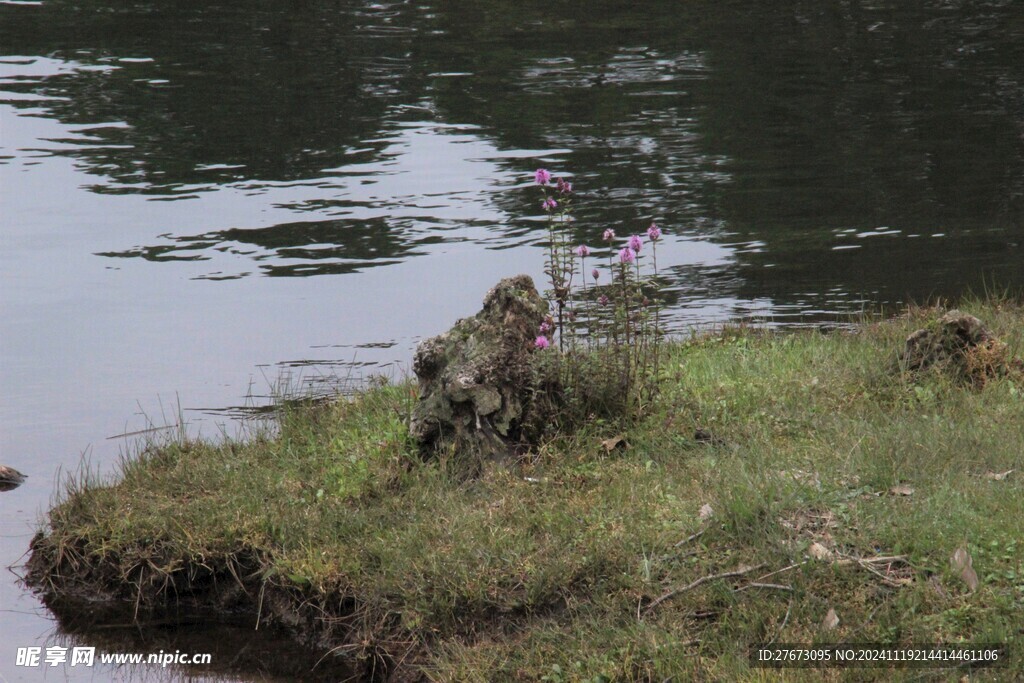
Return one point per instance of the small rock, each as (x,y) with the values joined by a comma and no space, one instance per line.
(10,478)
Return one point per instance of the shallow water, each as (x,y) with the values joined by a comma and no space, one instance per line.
(201,202)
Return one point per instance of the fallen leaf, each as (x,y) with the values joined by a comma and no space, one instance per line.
(820,552)
(998,476)
(705,511)
(963,565)
(830,621)
(614,442)
(902,490)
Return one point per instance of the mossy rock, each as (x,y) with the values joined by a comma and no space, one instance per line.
(961,345)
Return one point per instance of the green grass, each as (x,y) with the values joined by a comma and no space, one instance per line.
(550,570)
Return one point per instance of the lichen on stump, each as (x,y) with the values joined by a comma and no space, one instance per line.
(960,344)
(476,382)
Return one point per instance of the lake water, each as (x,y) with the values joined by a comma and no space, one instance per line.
(199,202)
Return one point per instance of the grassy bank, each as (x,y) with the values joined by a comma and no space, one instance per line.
(824,484)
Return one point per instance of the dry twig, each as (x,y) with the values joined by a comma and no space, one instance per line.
(775,586)
(697,582)
(691,537)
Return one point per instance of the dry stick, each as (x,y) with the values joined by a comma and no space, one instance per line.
(895,583)
(785,620)
(694,584)
(691,537)
(755,584)
(879,559)
(864,561)
(784,569)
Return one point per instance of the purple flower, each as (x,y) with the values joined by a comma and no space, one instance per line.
(635,243)
(542,176)
(583,251)
(627,255)
(594,274)
(654,232)
(609,235)
(549,204)
(563,186)
(603,300)
(541,342)
(545,327)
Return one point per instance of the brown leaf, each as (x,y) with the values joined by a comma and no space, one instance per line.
(902,490)
(830,621)
(614,442)
(820,552)
(998,476)
(963,565)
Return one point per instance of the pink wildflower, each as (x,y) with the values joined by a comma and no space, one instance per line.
(541,342)
(627,255)
(635,243)
(549,204)
(583,251)
(654,232)
(542,176)
(563,186)
(609,235)
(603,300)
(594,274)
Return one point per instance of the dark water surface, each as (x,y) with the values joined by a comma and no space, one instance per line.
(198,199)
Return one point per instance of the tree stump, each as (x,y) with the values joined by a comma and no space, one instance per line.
(476,380)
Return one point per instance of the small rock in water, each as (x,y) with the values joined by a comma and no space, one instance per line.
(10,478)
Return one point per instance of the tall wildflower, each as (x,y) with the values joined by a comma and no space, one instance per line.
(617,318)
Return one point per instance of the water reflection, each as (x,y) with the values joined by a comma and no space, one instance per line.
(235,649)
(780,124)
